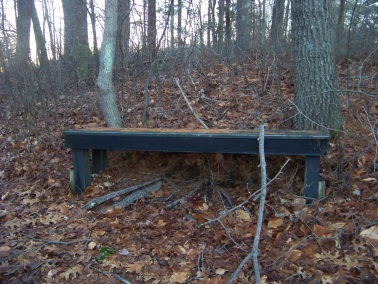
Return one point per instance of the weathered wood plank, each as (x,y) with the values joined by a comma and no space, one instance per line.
(201,141)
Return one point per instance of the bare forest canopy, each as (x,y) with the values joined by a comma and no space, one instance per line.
(175,64)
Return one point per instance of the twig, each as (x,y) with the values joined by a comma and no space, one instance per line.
(225,213)
(254,253)
(190,107)
(97,201)
(122,280)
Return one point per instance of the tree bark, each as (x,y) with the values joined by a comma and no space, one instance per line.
(151,29)
(340,26)
(23,23)
(316,98)
(243,24)
(123,34)
(220,30)
(39,37)
(105,93)
(76,46)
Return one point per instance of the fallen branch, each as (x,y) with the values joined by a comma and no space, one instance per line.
(135,196)
(177,201)
(97,201)
(190,107)
(225,213)
(255,248)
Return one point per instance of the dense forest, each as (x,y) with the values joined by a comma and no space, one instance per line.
(217,64)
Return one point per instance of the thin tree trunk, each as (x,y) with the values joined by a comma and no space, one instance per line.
(340,27)
(220,30)
(105,93)
(39,37)
(179,24)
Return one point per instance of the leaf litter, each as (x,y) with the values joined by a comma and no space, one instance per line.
(46,237)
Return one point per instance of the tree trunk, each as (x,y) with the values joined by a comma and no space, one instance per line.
(39,37)
(316,98)
(151,29)
(23,23)
(123,34)
(340,26)
(76,46)
(105,93)
(220,30)
(243,24)
(179,24)
(93,23)
(172,26)
(228,26)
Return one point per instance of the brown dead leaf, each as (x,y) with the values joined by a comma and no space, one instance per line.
(243,215)
(71,272)
(216,280)
(371,234)
(319,231)
(64,209)
(161,223)
(293,255)
(275,223)
(135,267)
(179,277)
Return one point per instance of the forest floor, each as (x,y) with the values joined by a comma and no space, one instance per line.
(45,236)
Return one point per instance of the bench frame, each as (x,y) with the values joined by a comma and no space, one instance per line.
(311,144)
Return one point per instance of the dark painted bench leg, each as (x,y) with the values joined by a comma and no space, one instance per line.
(312,177)
(82,174)
(99,160)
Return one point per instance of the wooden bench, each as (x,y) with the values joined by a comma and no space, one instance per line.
(311,144)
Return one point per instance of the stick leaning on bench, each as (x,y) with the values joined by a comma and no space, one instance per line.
(311,144)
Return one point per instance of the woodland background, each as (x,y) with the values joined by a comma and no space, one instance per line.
(239,64)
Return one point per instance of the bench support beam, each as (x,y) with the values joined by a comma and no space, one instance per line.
(312,168)
(99,160)
(82,174)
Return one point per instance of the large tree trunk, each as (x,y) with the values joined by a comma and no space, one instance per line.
(23,23)
(243,24)
(316,97)
(76,46)
(105,93)
(123,34)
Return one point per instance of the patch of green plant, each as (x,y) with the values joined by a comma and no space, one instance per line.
(103,254)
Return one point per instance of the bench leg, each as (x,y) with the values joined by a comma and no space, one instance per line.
(82,174)
(312,177)
(99,160)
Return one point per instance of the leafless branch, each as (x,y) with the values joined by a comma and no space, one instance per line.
(190,107)
(255,248)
